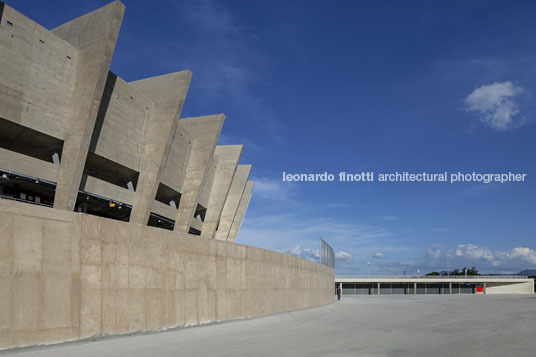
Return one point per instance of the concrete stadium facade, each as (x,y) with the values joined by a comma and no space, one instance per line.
(78,137)
(479,284)
(116,216)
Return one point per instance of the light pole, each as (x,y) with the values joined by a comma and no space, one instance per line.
(369,270)
(448,265)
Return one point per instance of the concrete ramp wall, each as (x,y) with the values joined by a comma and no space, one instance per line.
(66,276)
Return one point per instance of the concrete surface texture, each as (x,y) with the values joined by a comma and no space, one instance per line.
(94,35)
(359,326)
(205,132)
(241,211)
(233,200)
(66,276)
(119,141)
(227,157)
(169,92)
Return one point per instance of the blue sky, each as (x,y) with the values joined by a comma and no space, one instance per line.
(382,86)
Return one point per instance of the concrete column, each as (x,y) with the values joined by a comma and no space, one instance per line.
(485,288)
(168,92)
(95,36)
(414,288)
(450,288)
(232,202)
(378,288)
(227,157)
(205,132)
(241,212)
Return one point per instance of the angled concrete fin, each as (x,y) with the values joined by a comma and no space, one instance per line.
(168,90)
(169,93)
(233,200)
(241,212)
(94,27)
(175,168)
(227,162)
(95,35)
(205,132)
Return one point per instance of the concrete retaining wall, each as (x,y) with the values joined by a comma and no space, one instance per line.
(66,276)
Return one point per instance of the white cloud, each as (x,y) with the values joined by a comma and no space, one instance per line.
(433,252)
(465,255)
(494,104)
(434,259)
(342,255)
(472,251)
(307,253)
(484,258)
(294,251)
(520,253)
(313,254)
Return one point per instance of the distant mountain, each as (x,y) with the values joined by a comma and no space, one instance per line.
(527,272)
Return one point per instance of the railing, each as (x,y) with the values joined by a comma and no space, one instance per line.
(327,257)
(25,201)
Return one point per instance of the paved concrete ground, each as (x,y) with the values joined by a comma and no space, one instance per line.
(356,326)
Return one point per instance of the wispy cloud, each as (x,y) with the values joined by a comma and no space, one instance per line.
(342,255)
(302,227)
(230,61)
(270,189)
(307,253)
(495,105)
(378,256)
(479,189)
(313,254)
(389,218)
(337,205)
(207,16)
(249,144)
(433,253)
(224,72)
(302,230)
(280,219)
